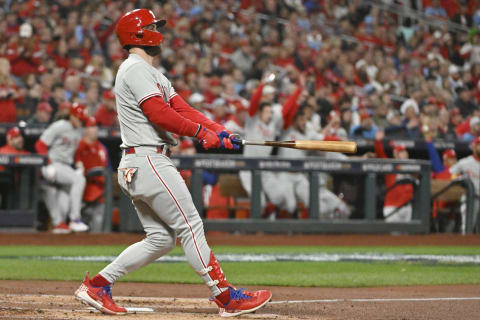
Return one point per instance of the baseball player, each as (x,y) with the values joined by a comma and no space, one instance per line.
(264,122)
(149,111)
(64,190)
(92,154)
(470,167)
(297,183)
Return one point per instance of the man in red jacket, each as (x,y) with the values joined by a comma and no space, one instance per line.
(25,54)
(92,154)
(397,207)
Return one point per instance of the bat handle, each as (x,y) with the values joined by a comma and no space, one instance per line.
(236,139)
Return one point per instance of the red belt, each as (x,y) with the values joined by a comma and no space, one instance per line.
(131,150)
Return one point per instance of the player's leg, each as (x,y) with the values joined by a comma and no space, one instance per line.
(159,240)
(173,203)
(76,182)
(50,196)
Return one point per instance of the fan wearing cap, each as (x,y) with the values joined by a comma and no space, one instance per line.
(42,115)
(92,154)
(470,167)
(24,54)
(60,141)
(474,129)
(106,115)
(366,129)
(14,143)
(397,206)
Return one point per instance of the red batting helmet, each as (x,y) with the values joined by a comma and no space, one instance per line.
(80,111)
(130,28)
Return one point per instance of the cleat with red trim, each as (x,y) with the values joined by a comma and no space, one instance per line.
(61,228)
(241,302)
(98,297)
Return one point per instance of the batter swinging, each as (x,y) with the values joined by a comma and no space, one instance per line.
(149,110)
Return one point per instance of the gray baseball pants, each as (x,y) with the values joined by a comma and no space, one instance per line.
(166,210)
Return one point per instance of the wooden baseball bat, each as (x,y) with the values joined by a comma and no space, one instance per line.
(315,145)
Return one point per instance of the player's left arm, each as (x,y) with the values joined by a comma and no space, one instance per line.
(183,108)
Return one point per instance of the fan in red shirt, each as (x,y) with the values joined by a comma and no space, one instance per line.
(24,54)
(92,154)
(106,115)
(8,94)
(397,207)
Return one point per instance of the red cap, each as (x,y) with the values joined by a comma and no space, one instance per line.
(91,122)
(364,116)
(449,154)
(185,144)
(399,147)
(44,106)
(13,132)
(109,95)
(214,82)
(64,105)
(476,141)
(80,111)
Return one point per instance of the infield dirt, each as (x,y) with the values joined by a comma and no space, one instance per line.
(54,300)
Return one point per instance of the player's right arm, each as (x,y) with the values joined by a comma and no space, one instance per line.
(255,100)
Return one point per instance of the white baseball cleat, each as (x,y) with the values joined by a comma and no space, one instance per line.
(78,226)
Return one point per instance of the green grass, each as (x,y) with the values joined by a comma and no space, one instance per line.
(6,251)
(324,274)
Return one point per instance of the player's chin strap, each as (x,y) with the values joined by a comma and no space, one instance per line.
(215,272)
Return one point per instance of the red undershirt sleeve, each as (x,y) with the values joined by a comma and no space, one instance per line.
(161,114)
(255,100)
(290,108)
(41,147)
(186,111)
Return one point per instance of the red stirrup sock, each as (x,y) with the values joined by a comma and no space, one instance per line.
(99,281)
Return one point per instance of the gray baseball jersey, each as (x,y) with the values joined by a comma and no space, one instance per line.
(136,82)
(62,140)
(470,167)
(255,129)
(151,180)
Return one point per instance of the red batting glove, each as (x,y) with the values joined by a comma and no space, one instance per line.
(208,138)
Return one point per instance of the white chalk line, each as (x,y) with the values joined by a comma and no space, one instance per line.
(308,257)
(377,300)
(208,303)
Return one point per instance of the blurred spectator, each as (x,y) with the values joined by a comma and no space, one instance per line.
(397,205)
(42,116)
(106,115)
(14,143)
(464,101)
(366,129)
(93,155)
(435,10)
(24,52)
(474,125)
(8,93)
(63,110)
